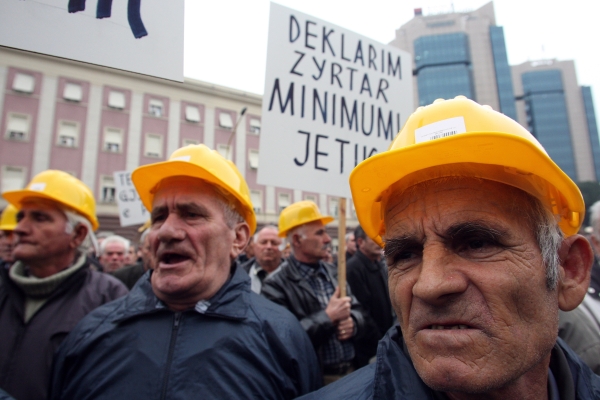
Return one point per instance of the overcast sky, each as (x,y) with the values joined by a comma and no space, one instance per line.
(226,41)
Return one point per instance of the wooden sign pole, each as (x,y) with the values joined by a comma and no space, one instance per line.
(342,246)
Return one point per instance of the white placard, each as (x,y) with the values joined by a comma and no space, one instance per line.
(131,209)
(332,98)
(148,42)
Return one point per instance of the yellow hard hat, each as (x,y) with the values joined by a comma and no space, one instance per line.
(60,187)
(462,138)
(8,219)
(197,161)
(300,213)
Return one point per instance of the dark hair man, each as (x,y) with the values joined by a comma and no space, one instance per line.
(479,228)
(367,276)
(191,327)
(50,287)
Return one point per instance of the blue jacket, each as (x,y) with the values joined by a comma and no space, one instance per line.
(393,376)
(241,346)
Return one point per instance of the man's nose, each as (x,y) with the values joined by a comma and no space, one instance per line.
(171,229)
(438,275)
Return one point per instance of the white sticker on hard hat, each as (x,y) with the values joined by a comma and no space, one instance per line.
(38,186)
(440,129)
(182,158)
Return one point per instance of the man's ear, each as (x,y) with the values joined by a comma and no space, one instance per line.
(240,240)
(576,258)
(79,234)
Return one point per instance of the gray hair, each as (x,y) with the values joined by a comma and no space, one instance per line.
(269,226)
(74,219)
(114,239)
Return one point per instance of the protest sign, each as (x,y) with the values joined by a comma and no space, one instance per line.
(332,99)
(131,209)
(144,37)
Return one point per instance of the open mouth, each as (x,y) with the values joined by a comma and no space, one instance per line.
(448,327)
(172,258)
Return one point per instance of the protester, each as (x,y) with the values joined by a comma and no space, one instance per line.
(130,274)
(591,302)
(350,248)
(132,257)
(367,275)
(113,253)
(267,256)
(8,222)
(480,232)
(191,327)
(50,286)
(307,286)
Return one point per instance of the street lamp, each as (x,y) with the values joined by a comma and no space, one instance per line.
(235,126)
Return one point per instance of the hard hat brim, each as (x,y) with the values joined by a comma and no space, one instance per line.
(371,178)
(325,219)
(147,177)
(16,197)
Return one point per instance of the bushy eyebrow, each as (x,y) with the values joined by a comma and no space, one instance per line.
(479,229)
(457,232)
(181,208)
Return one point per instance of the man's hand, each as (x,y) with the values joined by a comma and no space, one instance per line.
(345,329)
(338,308)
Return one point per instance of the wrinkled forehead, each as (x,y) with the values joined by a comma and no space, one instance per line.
(40,204)
(461,194)
(186,189)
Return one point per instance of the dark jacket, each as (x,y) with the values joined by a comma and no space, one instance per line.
(129,274)
(27,349)
(242,346)
(368,280)
(286,286)
(393,376)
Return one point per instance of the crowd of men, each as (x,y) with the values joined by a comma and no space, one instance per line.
(466,268)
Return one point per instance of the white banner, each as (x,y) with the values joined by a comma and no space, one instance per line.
(332,99)
(131,209)
(138,36)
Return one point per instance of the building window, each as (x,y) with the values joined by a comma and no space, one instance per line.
(155,108)
(73,92)
(225,120)
(13,178)
(153,145)
(311,197)
(333,206)
(17,127)
(113,140)
(255,125)
(188,142)
(68,134)
(23,83)
(107,189)
(253,158)
(283,200)
(225,151)
(192,114)
(256,198)
(116,100)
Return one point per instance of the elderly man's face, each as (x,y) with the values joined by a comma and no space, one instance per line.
(191,243)
(114,256)
(312,242)
(42,237)
(266,248)
(468,284)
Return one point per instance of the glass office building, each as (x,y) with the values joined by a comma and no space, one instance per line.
(443,67)
(547,116)
(590,116)
(506,95)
